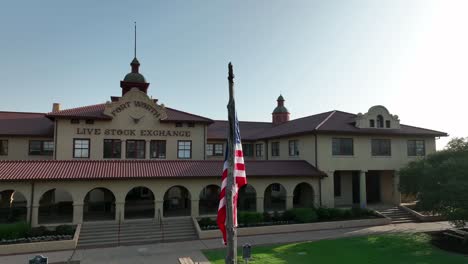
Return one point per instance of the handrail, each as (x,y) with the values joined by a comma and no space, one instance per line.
(161,224)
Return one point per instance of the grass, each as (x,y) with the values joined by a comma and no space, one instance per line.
(381,249)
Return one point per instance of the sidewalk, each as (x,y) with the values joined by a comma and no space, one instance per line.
(168,253)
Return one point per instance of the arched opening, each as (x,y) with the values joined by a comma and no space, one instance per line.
(55,206)
(247,199)
(275,198)
(13,206)
(177,202)
(99,204)
(380,121)
(303,196)
(139,203)
(209,200)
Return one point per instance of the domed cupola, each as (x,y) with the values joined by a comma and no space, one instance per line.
(280,113)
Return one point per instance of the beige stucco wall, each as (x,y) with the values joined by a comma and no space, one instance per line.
(18,149)
(346,197)
(306,146)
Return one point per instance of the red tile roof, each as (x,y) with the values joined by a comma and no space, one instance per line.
(96,112)
(25,124)
(133,169)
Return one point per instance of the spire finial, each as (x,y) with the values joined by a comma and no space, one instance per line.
(134,51)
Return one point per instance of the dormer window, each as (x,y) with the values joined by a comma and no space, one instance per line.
(380,121)
(372,123)
(387,123)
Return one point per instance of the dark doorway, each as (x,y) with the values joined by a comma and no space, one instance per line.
(356,189)
(373,186)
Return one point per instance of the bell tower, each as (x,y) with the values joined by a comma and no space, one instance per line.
(280,114)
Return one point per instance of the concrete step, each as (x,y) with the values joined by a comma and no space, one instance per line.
(398,215)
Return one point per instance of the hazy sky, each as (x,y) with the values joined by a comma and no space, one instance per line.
(410,56)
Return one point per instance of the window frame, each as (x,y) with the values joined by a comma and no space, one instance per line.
(249,153)
(42,151)
(155,143)
(380,154)
(295,149)
(209,149)
(218,153)
(178,149)
(136,148)
(112,140)
(4,145)
(372,123)
(340,152)
(89,148)
(275,151)
(258,149)
(415,148)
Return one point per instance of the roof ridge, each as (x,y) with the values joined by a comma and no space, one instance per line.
(325,120)
(189,113)
(263,122)
(17,112)
(75,108)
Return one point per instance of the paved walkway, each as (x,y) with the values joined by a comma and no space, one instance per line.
(168,253)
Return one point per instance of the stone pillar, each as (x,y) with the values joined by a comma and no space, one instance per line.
(77,214)
(158,209)
(289,202)
(396,188)
(35,215)
(119,211)
(260,201)
(194,208)
(362,189)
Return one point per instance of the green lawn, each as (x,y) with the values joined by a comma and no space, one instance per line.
(381,249)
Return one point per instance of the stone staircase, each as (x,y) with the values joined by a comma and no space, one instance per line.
(136,232)
(398,215)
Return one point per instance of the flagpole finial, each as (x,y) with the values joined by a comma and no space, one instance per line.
(134,47)
(231,72)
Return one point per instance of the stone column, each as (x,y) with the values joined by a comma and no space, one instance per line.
(362,189)
(194,208)
(77,214)
(396,190)
(260,208)
(119,211)
(289,202)
(158,209)
(35,215)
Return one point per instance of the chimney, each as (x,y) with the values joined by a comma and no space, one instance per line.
(55,107)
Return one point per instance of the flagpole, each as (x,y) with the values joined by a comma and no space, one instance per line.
(231,238)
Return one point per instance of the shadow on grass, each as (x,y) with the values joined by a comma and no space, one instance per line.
(381,249)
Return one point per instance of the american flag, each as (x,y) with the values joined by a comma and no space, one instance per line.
(240,180)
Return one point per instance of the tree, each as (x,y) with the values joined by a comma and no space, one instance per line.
(440,181)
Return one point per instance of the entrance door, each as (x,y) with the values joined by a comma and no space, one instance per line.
(356,189)
(373,186)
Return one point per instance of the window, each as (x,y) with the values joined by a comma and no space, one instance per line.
(81,148)
(3,147)
(136,149)
(184,149)
(342,147)
(381,147)
(41,147)
(337,183)
(75,121)
(259,150)
(158,149)
(275,149)
(112,148)
(372,123)
(416,148)
(387,123)
(209,149)
(89,121)
(191,124)
(218,149)
(379,121)
(293,148)
(178,124)
(248,150)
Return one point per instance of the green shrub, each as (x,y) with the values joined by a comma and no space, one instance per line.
(336,213)
(249,218)
(276,216)
(39,231)
(14,230)
(288,215)
(267,217)
(305,215)
(65,230)
(323,214)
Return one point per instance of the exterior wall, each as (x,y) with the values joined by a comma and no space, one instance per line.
(306,146)
(346,197)
(18,149)
(120,188)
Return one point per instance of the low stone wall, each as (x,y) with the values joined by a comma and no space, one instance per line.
(421,217)
(274,229)
(42,246)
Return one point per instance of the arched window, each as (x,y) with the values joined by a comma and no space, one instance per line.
(209,200)
(380,121)
(55,206)
(13,206)
(177,202)
(247,199)
(99,204)
(303,196)
(139,203)
(275,198)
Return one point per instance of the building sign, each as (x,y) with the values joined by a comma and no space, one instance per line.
(132,132)
(139,104)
